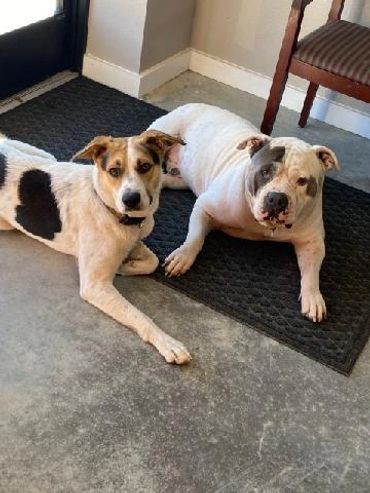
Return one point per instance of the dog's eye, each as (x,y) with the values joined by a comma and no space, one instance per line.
(265,172)
(144,167)
(302,181)
(115,172)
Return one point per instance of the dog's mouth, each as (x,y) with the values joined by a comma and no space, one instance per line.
(273,225)
(276,221)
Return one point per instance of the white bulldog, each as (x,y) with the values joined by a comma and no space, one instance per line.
(250,186)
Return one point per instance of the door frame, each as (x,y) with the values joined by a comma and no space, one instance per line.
(79,10)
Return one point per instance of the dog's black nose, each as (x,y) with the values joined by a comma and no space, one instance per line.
(275,202)
(131,199)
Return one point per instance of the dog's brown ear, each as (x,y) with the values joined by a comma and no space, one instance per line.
(160,140)
(327,157)
(254,143)
(95,148)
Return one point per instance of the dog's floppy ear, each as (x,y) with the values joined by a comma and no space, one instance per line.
(158,144)
(95,148)
(327,157)
(254,143)
(160,140)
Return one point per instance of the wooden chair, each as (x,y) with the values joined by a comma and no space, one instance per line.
(336,56)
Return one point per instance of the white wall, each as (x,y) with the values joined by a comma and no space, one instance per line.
(116,30)
(137,34)
(137,45)
(167,31)
(248,33)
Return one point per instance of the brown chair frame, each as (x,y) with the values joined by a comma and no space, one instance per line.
(317,76)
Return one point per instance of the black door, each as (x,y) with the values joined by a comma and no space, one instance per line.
(39,38)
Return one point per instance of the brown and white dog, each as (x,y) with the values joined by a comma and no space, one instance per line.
(99,214)
(250,186)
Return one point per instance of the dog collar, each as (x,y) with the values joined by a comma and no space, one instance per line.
(125,218)
(131,221)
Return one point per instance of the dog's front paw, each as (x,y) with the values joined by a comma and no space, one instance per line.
(179,261)
(173,351)
(313,305)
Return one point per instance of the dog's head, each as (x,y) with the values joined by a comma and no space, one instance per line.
(128,170)
(285,176)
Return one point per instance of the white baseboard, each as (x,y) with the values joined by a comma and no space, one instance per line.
(134,83)
(323,109)
(137,84)
(164,71)
(111,75)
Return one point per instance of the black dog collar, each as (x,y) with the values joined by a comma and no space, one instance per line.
(125,218)
(131,221)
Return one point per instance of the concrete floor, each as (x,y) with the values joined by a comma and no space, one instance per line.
(85,406)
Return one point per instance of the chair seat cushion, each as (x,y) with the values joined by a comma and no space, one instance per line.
(339,47)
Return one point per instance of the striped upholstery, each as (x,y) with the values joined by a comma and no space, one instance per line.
(339,47)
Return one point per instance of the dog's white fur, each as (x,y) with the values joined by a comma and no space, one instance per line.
(91,233)
(216,165)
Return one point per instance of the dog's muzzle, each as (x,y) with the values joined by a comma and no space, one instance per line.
(275,204)
(131,200)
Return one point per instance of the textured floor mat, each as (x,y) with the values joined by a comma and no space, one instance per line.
(254,282)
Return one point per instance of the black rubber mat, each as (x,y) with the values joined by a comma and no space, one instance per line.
(254,282)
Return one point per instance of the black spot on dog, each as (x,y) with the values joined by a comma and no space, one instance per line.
(2,169)
(311,187)
(38,213)
(264,166)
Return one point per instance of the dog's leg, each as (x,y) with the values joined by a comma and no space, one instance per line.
(181,259)
(140,261)
(310,256)
(96,275)
(30,150)
(5,226)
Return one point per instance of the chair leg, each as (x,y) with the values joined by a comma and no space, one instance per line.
(274,100)
(282,68)
(307,105)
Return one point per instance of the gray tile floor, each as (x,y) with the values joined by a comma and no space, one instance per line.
(85,406)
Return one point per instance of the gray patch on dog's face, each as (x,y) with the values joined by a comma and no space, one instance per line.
(263,167)
(2,169)
(311,187)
